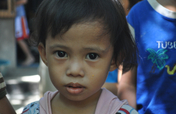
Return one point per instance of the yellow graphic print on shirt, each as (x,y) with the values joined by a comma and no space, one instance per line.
(171,71)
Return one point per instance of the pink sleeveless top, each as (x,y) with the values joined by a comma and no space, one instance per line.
(108,103)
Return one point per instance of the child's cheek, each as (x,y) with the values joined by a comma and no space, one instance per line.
(92,76)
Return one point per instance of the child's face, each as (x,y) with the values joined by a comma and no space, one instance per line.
(79,60)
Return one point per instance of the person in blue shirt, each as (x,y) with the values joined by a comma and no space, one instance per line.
(153,23)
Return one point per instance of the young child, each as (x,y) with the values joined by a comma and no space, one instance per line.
(154,24)
(5,106)
(81,41)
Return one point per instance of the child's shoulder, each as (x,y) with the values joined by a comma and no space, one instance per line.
(126,109)
(110,103)
(32,108)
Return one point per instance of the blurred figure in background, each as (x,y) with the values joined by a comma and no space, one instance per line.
(22,32)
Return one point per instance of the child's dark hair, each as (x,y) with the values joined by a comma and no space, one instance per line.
(57,17)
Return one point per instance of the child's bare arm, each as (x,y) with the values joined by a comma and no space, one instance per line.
(127,87)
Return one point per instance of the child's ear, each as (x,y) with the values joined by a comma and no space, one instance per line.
(42,53)
(113,65)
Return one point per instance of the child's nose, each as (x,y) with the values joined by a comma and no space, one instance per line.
(75,69)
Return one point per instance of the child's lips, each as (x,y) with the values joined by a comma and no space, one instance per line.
(74,88)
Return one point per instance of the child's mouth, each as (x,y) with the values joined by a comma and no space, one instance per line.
(74,88)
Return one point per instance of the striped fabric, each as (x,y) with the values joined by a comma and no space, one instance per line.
(2,87)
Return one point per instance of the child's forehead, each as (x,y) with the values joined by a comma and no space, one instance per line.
(93,28)
(82,37)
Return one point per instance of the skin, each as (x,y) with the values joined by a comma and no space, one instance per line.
(125,4)
(113,87)
(127,87)
(76,66)
(6,107)
(169,4)
(19,2)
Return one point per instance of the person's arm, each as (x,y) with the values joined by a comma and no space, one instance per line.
(6,107)
(127,87)
(120,71)
(111,87)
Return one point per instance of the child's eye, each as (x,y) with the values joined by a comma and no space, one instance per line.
(61,54)
(92,56)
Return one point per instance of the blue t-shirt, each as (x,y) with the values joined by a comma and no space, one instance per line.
(155,36)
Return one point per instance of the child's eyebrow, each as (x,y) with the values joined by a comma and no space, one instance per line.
(58,46)
(91,48)
(97,49)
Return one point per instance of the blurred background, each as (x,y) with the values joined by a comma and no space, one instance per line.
(22,80)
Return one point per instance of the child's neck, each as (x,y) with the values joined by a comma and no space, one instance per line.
(61,105)
(169,4)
